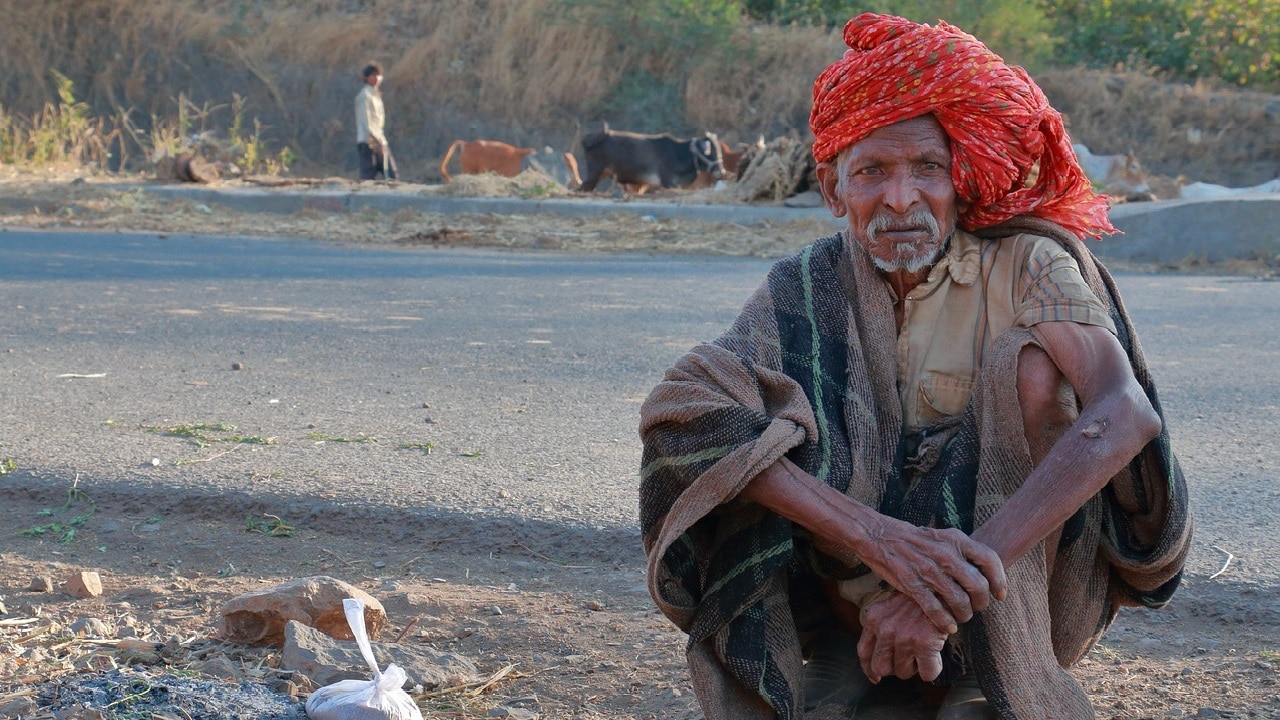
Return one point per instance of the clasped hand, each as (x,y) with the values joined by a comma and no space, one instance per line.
(949,575)
(942,577)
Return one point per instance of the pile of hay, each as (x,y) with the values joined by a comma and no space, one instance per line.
(782,168)
(529,184)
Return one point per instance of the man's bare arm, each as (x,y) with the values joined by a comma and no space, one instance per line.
(1116,421)
(949,575)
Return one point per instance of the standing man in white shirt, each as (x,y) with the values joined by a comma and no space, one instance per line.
(371,138)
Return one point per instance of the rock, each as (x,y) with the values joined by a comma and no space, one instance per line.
(220,666)
(190,167)
(41,584)
(166,168)
(92,627)
(137,656)
(285,687)
(84,585)
(515,713)
(325,660)
(18,708)
(259,617)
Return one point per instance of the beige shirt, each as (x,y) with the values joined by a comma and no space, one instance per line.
(979,289)
(369,115)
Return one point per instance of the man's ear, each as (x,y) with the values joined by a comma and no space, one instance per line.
(828,182)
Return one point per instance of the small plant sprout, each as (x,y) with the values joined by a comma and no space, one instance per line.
(65,530)
(206,434)
(361,438)
(268,524)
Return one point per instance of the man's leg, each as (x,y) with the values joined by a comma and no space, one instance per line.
(368,163)
(1048,409)
(389,165)
(833,674)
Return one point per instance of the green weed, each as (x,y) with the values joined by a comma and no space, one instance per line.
(205,434)
(7,466)
(361,438)
(65,530)
(425,446)
(62,132)
(270,525)
(538,190)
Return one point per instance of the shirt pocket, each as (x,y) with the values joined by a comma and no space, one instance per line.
(943,396)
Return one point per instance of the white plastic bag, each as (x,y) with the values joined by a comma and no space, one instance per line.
(382,698)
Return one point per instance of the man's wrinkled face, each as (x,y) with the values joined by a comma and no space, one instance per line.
(895,188)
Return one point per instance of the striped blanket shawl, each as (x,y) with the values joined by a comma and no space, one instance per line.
(807,372)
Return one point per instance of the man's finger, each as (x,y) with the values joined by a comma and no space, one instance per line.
(904,666)
(866,648)
(929,666)
(959,597)
(933,609)
(991,567)
(882,660)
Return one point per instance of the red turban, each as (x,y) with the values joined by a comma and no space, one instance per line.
(999,122)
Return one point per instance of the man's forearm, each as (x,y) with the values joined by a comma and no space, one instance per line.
(946,573)
(1102,440)
(801,498)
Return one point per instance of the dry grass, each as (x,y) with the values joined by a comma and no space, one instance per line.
(531,73)
(766,85)
(1230,137)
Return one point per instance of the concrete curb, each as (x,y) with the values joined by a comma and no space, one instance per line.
(1242,228)
(341,201)
(1160,232)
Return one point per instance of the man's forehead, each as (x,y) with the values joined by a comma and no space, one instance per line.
(918,136)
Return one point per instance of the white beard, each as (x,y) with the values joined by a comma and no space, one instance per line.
(908,258)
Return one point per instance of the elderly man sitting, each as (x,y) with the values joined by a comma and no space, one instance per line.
(929,447)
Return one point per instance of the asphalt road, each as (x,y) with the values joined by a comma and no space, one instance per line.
(523,371)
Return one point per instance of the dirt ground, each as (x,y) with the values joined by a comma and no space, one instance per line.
(560,637)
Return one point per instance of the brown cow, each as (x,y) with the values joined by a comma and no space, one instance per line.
(481,156)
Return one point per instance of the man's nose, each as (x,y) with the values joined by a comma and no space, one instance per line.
(901,192)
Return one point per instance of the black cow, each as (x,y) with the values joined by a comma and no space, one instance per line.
(640,161)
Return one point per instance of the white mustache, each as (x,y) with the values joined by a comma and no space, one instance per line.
(883,222)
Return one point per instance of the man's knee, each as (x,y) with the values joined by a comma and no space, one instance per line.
(1047,400)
